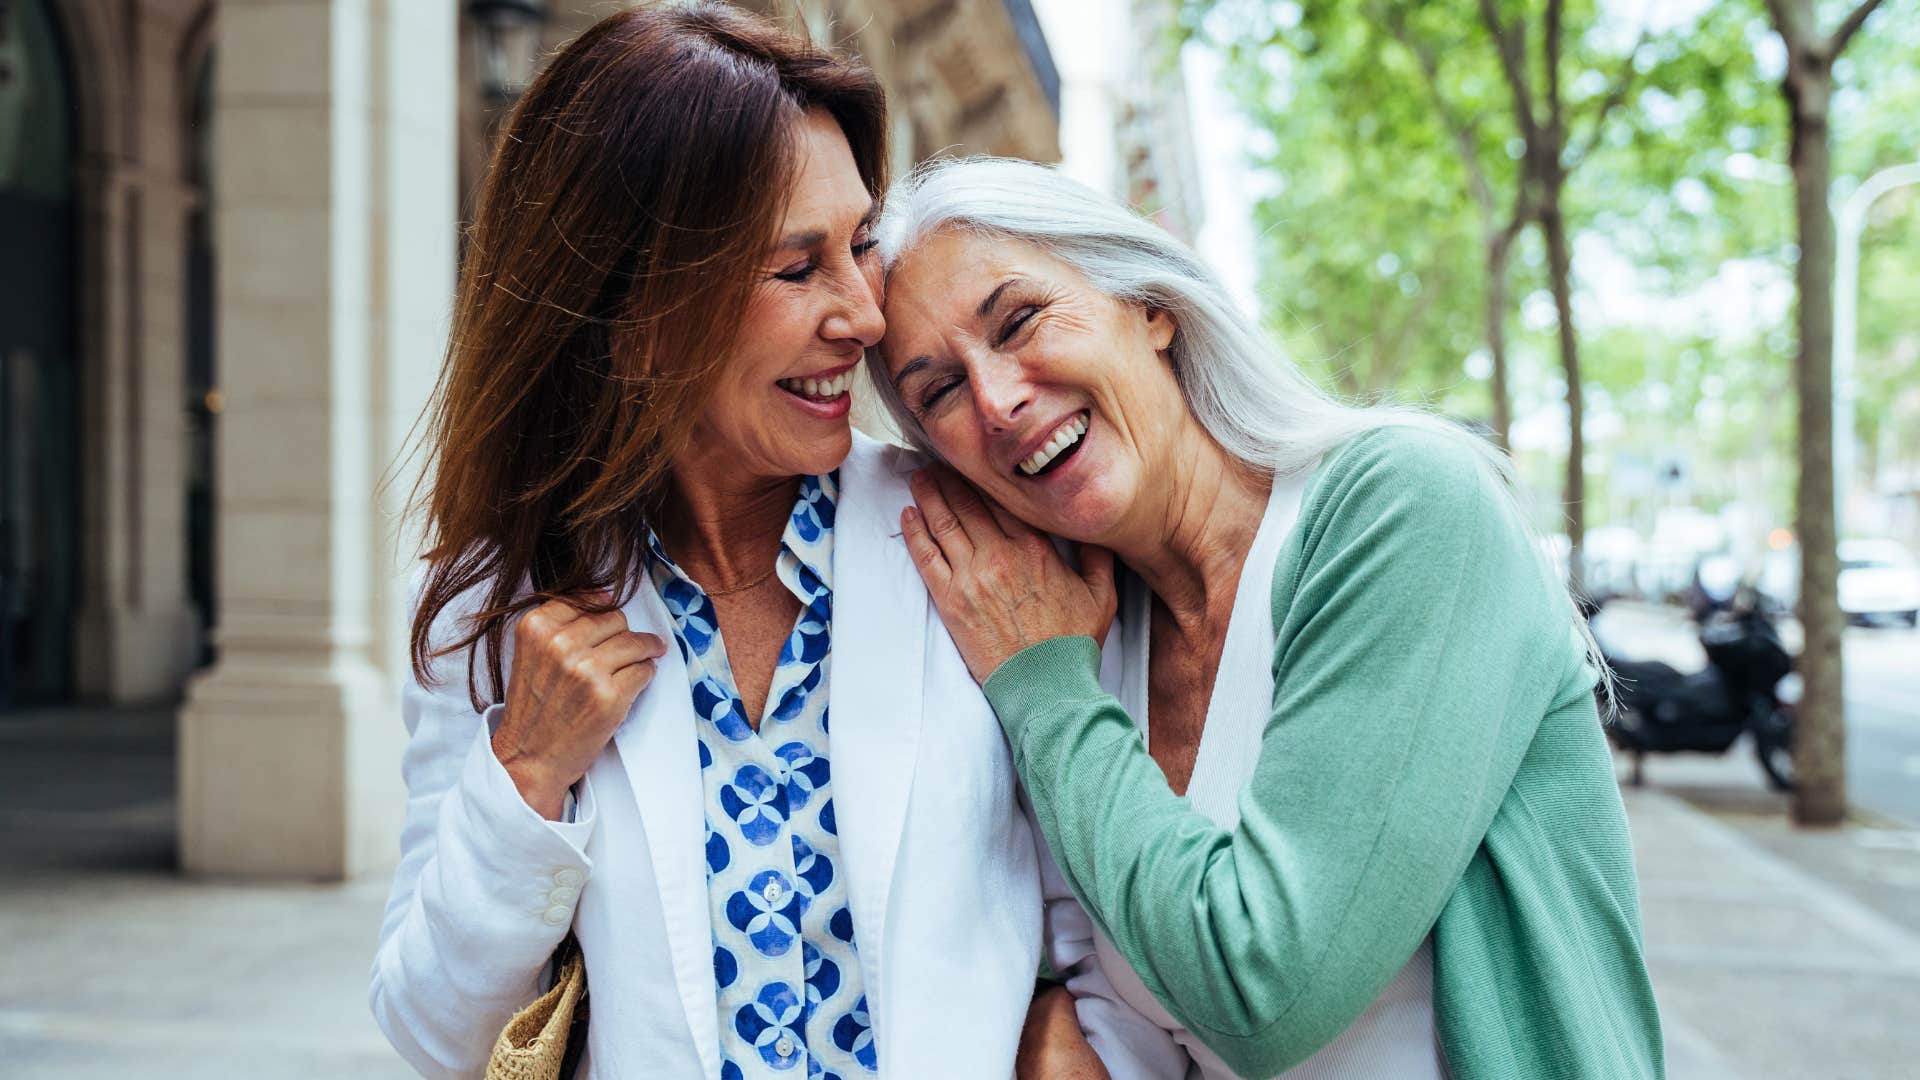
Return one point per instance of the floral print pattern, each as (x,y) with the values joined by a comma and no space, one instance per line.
(785,965)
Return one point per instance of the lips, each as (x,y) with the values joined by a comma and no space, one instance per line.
(815,388)
(1059,445)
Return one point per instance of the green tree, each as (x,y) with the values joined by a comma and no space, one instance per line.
(1517,113)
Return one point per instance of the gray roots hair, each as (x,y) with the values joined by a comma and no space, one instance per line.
(1254,402)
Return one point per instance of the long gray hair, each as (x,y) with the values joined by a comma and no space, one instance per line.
(1249,398)
(1257,405)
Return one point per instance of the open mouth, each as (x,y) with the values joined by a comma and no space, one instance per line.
(1059,448)
(819,391)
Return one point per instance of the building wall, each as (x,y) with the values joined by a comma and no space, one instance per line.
(346,134)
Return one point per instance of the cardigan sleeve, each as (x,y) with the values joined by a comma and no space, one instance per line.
(1418,644)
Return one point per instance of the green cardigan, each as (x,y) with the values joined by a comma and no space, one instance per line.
(1434,762)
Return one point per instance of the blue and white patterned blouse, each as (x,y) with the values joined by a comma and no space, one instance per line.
(790,995)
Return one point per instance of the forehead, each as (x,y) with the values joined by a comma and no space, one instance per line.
(827,183)
(950,263)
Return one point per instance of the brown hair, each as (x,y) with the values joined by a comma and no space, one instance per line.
(633,192)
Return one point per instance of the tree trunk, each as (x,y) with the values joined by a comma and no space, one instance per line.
(1560,274)
(1499,252)
(1820,733)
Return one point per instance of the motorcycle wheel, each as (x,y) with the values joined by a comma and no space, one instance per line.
(1773,745)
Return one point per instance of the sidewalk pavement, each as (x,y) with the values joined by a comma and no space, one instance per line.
(1775,953)
(1764,970)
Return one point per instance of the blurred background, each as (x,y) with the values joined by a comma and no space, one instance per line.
(1666,251)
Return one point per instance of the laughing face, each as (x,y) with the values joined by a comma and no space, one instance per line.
(1054,399)
(779,408)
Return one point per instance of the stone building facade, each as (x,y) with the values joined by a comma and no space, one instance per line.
(231,233)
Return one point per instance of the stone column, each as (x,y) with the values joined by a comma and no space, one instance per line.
(135,638)
(335,222)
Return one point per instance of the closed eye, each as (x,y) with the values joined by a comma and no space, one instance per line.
(1020,318)
(933,394)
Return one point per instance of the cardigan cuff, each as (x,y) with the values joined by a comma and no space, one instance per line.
(1039,678)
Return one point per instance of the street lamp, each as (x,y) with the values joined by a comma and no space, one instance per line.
(1850,220)
(507,44)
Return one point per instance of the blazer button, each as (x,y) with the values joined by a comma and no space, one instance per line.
(563,896)
(556,916)
(568,877)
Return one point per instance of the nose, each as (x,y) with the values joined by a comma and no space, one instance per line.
(857,316)
(1001,391)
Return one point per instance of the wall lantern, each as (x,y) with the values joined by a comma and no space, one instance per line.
(506,44)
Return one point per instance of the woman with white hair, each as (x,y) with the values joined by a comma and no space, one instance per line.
(1350,813)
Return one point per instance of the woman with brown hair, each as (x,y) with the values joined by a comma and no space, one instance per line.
(641,437)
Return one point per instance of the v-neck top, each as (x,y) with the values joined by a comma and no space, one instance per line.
(1395,1036)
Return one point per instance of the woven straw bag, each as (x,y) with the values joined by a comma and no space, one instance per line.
(543,1040)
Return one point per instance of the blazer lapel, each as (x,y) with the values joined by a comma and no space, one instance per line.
(659,752)
(879,653)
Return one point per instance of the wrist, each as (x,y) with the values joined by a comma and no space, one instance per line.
(540,788)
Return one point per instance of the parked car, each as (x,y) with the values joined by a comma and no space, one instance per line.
(1879,582)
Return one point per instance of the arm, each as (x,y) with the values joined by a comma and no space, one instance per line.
(1420,647)
(1130,1046)
(487,885)
(484,892)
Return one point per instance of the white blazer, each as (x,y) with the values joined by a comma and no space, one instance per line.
(943,877)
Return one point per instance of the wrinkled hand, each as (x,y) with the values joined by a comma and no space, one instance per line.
(999,584)
(574,677)
(1052,1044)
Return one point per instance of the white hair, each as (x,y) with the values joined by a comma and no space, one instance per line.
(1249,398)
(1257,405)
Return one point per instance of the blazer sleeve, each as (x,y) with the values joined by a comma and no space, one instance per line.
(485,888)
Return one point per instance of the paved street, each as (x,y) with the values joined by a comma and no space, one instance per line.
(113,967)
(1777,953)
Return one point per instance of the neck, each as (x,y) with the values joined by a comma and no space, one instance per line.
(1191,554)
(724,529)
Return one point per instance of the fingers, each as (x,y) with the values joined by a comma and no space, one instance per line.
(633,678)
(1012,527)
(1096,569)
(932,563)
(938,519)
(628,648)
(968,505)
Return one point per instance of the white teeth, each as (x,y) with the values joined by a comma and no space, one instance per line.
(1063,436)
(820,388)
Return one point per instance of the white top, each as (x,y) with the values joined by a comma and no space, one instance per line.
(1395,1037)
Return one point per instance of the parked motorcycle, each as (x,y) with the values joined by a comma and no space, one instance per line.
(1748,685)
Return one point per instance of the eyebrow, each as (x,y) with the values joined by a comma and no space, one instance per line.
(913,365)
(993,298)
(814,236)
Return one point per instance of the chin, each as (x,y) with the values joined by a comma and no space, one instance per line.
(821,453)
(1088,516)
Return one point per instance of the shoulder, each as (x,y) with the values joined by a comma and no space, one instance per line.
(876,472)
(1413,488)
(1413,458)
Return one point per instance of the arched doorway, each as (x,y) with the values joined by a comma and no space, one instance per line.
(39,383)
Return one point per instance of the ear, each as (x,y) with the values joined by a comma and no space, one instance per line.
(1160,328)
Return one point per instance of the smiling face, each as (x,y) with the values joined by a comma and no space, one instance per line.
(1051,397)
(779,406)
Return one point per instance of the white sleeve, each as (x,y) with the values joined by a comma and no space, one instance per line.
(485,889)
(1131,1046)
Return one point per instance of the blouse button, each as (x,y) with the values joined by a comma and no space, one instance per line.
(772,891)
(784,1047)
